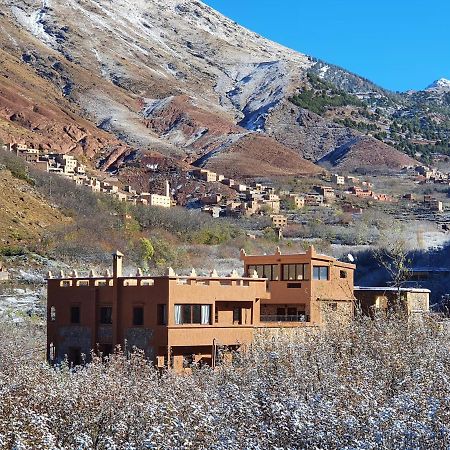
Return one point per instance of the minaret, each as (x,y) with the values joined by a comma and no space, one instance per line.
(167,188)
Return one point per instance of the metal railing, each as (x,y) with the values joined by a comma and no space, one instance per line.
(285,318)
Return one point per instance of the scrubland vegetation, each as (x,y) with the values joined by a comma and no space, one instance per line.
(99,224)
(374,384)
(322,96)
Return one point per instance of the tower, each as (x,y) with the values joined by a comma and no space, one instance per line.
(167,188)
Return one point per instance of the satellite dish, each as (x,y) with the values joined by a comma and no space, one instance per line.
(350,257)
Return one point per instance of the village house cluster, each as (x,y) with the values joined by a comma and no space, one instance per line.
(252,199)
(181,320)
(428,175)
(257,198)
(69,167)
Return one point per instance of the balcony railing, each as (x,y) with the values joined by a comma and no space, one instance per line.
(285,318)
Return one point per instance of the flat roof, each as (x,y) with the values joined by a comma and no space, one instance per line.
(391,289)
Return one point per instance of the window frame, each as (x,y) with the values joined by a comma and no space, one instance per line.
(192,314)
(237,315)
(318,275)
(269,271)
(291,272)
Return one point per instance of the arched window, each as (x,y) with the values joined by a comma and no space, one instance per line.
(52,314)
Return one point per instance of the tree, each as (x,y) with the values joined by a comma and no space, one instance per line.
(146,252)
(393,256)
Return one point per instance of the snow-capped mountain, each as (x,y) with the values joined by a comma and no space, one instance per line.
(173,76)
(440,85)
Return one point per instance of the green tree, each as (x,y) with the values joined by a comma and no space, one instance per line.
(146,252)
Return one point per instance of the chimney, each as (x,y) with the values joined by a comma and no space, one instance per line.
(167,189)
(117,264)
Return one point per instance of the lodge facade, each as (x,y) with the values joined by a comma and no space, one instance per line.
(179,320)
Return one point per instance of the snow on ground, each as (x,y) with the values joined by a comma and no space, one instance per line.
(114,116)
(323,71)
(34,21)
(254,89)
(441,84)
(153,106)
(16,302)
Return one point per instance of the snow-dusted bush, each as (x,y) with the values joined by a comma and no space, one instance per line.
(375,384)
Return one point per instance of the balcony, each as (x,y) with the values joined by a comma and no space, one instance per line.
(285,318)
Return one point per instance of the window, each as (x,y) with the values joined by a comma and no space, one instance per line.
(75,314)
(138,316)
(237,315)
(196,314)
(293,272)
(162,314)
(106,315)
(294,285)
(193,314)
(290,314)
(269,271)
(320,272)
(343,273)
(52,314)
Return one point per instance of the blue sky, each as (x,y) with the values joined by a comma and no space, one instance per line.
(398,44)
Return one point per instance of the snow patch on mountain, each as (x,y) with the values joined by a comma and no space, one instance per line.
(153,106)
(34,21)
(441,85)
(254,90)
(323,71)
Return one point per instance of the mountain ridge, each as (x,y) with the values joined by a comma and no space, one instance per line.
(178,78)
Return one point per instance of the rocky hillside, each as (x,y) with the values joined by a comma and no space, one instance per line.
(25,215)
(414,122)
(109,77)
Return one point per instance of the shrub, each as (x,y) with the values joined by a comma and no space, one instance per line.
(373,384)
(12,251)
(17,166)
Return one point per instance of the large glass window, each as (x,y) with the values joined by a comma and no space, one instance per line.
(293,272)
(269,271)
(320,272)
(195,314)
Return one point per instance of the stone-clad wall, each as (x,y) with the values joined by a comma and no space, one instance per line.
(76,337)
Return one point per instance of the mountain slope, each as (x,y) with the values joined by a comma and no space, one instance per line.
(25,216)
(175,77)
